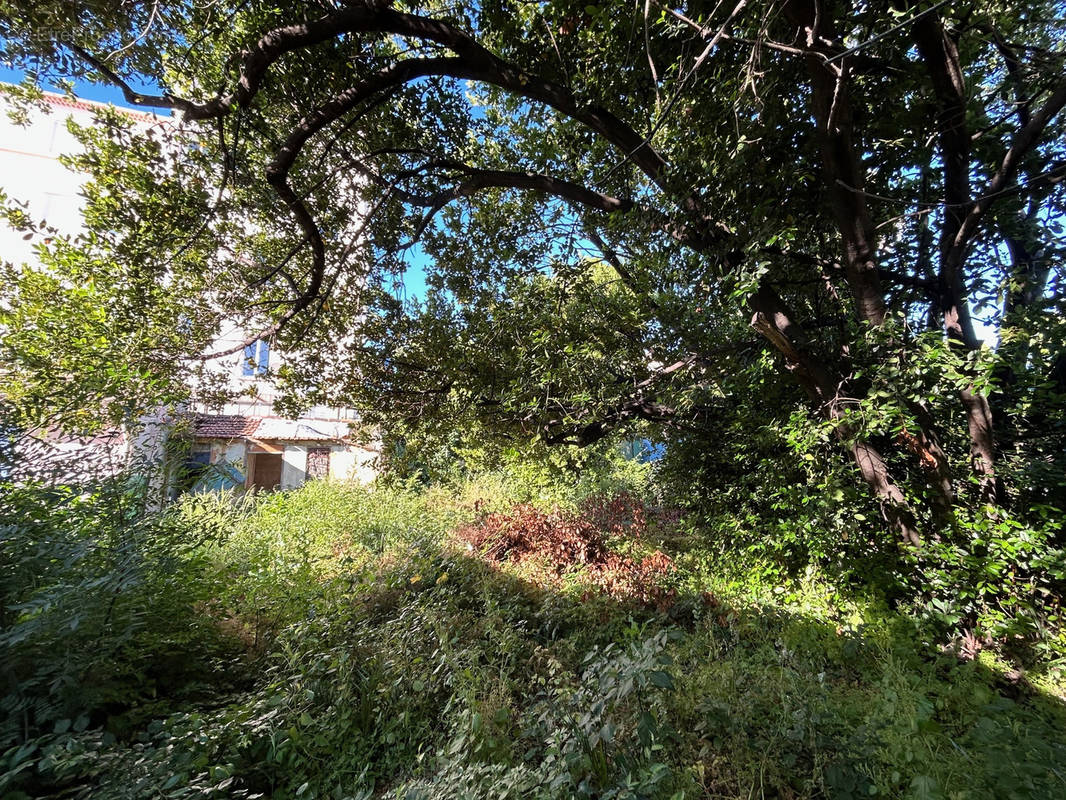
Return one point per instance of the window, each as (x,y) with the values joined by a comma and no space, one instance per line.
(318,463)
(256,358)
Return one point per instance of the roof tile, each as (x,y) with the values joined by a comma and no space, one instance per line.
(224,426)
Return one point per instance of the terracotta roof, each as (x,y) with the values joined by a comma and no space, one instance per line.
(224,426)
(81,105)
(91,105)
(233,426)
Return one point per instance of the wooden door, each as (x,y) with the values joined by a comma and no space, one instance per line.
(266,471)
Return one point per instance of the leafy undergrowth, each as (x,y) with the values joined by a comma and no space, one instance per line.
(395,645)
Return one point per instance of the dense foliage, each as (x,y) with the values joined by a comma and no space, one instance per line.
(343,642)
(812,249)
(627,214)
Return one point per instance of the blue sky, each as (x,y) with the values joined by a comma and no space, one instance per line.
(89,91)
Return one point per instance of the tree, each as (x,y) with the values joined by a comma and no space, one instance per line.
(849,182)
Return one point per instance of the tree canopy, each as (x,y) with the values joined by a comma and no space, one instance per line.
(630,214)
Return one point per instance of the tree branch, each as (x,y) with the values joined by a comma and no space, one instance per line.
(133,97)
(1024,141)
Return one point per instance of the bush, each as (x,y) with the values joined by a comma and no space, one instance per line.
(380,657)
(103,606)
(994,577)
(593,541)
(284,554)
(599,737)
(779,504)
(100,602)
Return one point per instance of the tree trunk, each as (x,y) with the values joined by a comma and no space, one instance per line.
(941,58)
(846,181)
(843,170)
(982,444)
(772,318)
(926,445)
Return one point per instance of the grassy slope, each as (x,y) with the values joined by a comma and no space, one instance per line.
(382,658)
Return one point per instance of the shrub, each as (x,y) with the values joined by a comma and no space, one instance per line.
(601,737)
(104,605)
(563,542)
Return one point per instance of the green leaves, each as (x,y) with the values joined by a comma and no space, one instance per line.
(594,202)
(661,680)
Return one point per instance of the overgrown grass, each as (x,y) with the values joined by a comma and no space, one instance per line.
(372,654)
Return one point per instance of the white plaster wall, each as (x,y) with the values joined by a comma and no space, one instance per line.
(293,466)
(147,448)
(352,464)
(254,395)
(147,455)
(30,171)
(341,463)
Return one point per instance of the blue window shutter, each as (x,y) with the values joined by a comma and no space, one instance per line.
(248,362)
(264,357)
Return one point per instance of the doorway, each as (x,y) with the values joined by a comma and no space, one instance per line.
(266,471)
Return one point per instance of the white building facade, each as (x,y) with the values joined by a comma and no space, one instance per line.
(242,445)
(245,444)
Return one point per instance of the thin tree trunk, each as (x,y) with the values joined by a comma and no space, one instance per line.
(846,182)
(926,445)
(941,57)
(894,505)
(773,320)
(844,174)
(982,444)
